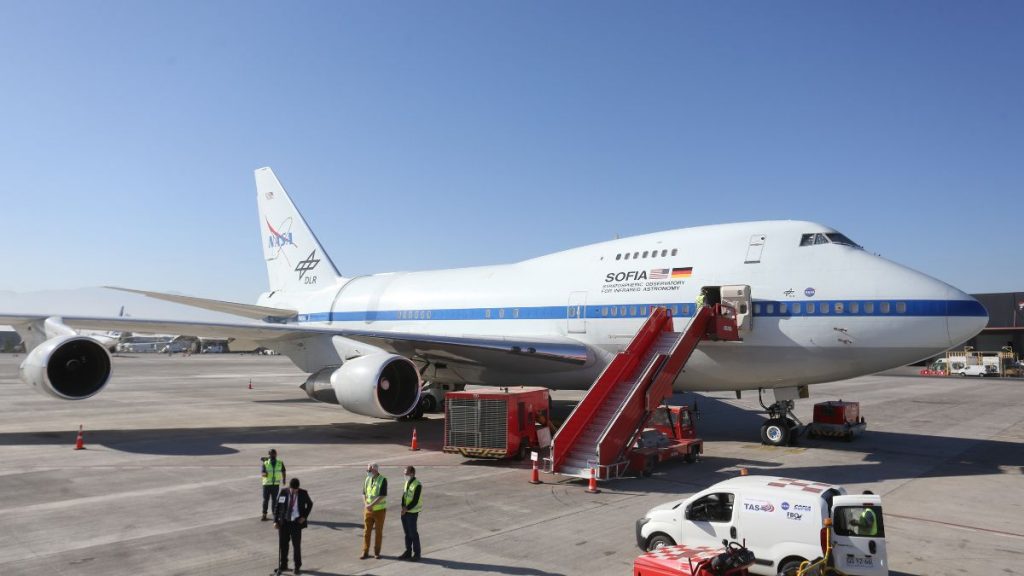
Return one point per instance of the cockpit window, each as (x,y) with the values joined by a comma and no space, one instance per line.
(816,238)
(838,238)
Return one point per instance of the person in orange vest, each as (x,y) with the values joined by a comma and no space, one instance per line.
(375,506)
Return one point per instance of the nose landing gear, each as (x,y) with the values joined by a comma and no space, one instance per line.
(782,427)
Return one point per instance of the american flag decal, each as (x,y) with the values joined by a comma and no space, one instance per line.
(658,274)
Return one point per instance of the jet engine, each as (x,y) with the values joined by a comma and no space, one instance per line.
(67,367)
(380,385)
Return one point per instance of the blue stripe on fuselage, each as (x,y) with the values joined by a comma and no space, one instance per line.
(762,308)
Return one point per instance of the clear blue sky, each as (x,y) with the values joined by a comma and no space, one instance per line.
(419,135)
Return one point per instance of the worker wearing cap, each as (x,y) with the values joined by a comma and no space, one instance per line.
(375,492)
(273,476)
(412,503)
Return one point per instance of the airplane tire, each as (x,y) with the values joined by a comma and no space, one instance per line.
(428,403)
(775,432)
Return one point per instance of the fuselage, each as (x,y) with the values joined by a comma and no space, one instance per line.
(822,311)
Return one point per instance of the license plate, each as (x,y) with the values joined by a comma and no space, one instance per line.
(860,561)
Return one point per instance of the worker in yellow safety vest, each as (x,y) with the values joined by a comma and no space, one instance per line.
(272,473)
(700,299)
(412,503)
(375,493)
(867,524)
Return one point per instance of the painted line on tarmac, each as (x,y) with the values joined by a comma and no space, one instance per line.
(954,525)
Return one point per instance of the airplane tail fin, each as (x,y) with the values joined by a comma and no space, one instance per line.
(296,262)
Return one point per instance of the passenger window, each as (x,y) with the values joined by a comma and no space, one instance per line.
(854,307)
(604,311)
(686,309)
(572,311)
(839,307)
(675,310)
(515,312)
(636,255)
(627,256)
(615,311)
(643,311)
(501,312)
(901,307)
(711,508)
(632,311)
(823,307)
(618,256)
(487,313)
(622,311)
(428,314)
(859,521)
(770,308)
(757,309)
(796,307)
(645,253)
(664,253)
(675,251)
(869,307)
(883,307)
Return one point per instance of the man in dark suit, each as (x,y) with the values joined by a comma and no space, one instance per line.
(290,515)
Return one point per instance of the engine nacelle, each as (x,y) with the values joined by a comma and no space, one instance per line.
(67,367)
(379,385)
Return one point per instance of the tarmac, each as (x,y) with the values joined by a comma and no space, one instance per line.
(169,483)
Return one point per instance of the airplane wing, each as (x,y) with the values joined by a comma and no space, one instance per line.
(527,354)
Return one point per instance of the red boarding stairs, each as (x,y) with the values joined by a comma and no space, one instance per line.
(614,412)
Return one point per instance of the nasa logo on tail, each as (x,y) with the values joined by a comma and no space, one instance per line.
(278,239)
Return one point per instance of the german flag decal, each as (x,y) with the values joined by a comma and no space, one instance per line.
(682,272)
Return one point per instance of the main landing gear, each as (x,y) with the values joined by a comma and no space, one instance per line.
(782,426)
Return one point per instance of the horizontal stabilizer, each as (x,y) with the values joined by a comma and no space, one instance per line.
(244,310)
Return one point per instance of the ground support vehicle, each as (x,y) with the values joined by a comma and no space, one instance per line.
(695,561)
(779,520)
(671,435)
(497,422)
(837,419)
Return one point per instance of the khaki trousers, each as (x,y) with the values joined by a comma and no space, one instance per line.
(373,522)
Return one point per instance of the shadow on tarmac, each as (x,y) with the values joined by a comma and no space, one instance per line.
(334,525)
(887,455)
(486,568)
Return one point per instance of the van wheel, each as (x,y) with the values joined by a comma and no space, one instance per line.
(790,567)
(775,432)
(691,456)
(524,449)
(659,541)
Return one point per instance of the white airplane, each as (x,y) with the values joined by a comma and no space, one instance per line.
(818,308)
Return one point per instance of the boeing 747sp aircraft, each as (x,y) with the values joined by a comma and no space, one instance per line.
(818,308)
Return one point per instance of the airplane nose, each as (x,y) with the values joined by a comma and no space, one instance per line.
(965,318)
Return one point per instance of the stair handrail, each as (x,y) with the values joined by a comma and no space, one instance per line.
(621,366)
(642,384)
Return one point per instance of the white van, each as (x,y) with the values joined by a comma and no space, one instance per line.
(779,519)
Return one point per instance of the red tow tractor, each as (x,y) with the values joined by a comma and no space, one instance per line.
(671,434)
(684,560)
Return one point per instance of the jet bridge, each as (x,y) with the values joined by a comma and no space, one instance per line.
(607,422)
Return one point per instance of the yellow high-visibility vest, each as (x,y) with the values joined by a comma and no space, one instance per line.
(273,477)
(409,492)
(371,489)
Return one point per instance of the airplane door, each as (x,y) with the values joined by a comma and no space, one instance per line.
(739,298)
(576,313)
(755,248)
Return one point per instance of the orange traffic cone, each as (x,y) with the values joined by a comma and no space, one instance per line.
(592,487)
(535,474)
(79,443)
(415,445)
